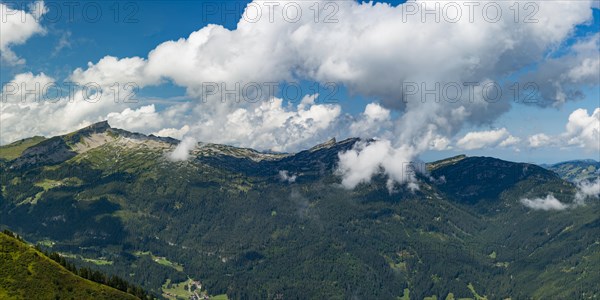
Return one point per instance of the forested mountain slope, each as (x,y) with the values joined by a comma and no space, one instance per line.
(256,225)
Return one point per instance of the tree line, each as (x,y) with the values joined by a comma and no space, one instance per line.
(92,275)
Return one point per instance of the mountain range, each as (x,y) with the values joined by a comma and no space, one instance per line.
(576,170)
(243,224)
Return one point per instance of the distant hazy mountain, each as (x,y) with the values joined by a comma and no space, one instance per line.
(256,225)
(577,170)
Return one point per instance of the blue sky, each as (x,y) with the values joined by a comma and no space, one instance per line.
(135,28)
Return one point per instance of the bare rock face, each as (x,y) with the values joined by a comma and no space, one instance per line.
(51,151)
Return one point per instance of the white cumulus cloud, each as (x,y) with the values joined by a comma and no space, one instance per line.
(583,129)
(359,164)
(539,140)
(135,119)
(173,132)
(18,25)
(490,138)
(371,122)
(271,125)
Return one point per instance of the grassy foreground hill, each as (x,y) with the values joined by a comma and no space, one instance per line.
(26,273)
(231,223)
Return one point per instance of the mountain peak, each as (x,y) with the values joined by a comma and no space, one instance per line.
(98,127)
(105,133)
(444,162)
(330,143)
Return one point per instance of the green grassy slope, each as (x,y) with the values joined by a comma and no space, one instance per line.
(26,273)
(13,150)
(577,170)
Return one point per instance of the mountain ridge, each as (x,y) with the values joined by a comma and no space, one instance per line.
(103,127)
(577,170)
(256,225)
